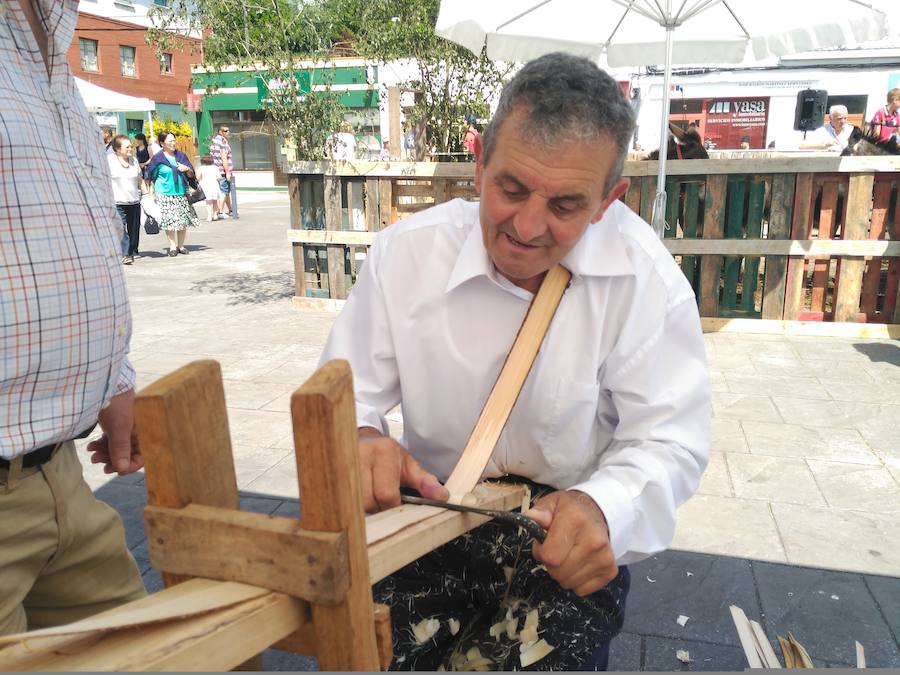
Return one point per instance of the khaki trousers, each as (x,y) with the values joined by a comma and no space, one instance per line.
(62,551)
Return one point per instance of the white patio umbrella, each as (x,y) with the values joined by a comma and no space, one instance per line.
(100,99)
(658,33)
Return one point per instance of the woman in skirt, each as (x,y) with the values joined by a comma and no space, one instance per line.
(169,170)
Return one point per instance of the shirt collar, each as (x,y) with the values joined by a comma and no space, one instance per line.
(600,252)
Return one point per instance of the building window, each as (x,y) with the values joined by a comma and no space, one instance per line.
(88,50)
(165,64)
(126,58)
(162,3)
(124,4)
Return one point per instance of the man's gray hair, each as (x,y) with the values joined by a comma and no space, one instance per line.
(837,109)
(565,97)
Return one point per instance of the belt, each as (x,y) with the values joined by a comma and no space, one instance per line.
(42,455)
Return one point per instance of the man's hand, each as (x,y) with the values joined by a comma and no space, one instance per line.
(576,552)
(385,466)
(118,447)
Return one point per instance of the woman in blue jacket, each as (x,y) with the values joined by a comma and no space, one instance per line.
(169,171)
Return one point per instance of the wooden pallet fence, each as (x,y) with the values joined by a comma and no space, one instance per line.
(791,238)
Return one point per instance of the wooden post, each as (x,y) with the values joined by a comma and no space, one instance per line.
(633,196)
(333,205)
(822,266)
(856,225)
(648,194)
(395,129)
(713,228)
(892,287)
(298,251)
(800,229)
(779,228)
(386,209)
(872,276)
(182,422)
(755,208)
(326,441)
(337,278)
(441,190)
(355,215)
(373,223)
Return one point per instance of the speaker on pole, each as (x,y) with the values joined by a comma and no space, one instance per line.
(811,107)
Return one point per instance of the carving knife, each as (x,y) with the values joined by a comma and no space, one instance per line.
(531,526)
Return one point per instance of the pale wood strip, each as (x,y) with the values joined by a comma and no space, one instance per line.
(417,189)
(856,226)
(745,634)
(822,328)
(337,277)
(506,390)
(326,439)
(333,204)
(858,248)
(794,162)
(764,647)
(252,548)
(860,655)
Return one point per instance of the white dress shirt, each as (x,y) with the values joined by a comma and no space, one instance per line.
(617,402)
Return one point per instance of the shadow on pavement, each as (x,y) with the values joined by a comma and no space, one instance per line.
(249,289)
(826,610)
(881,352)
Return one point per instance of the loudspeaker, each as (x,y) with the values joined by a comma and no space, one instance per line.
(811,107)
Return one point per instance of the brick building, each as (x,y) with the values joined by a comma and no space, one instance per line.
(113,53)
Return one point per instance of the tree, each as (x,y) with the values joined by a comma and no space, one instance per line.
(274,38)
(450,82)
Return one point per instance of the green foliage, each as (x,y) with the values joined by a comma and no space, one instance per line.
(277,35)
(179,129)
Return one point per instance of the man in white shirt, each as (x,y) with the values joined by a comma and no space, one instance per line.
(833,136)
(612,424)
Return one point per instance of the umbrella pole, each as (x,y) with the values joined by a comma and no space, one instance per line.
(659,205)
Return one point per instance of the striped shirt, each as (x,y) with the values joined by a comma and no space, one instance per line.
(64,316)
(220,143)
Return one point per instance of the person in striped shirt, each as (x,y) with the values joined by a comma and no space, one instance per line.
(65,326)
(221,154)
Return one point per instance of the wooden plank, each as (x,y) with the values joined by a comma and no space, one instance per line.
(860,655)
(343,237)
(252,548)
(412,208)
(755,207)
(503,396)
(784,162)
(337,274)
(856,225)
(386,210)
(780,217)
(297,250)
(417,189)
(462,191)
(648,194)
(186,447)
(745,634)
(356,217)
(372,220)
(333,204)
(737,188)
(713,228)
(810,248)
(408,542)
(394,125)
(691,214)
(805,328)
(868,302)
(218,640)
(441,189)
(673,202)
(800,229)
(326,438)
(826,231)
(892,286)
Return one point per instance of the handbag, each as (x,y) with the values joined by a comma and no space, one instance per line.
(197,194)
(151,226)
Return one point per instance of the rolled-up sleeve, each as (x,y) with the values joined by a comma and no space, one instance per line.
(659,382)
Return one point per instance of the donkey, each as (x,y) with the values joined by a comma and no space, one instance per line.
(866,141)
(683,144)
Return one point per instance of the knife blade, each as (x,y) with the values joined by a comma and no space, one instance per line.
(531,526)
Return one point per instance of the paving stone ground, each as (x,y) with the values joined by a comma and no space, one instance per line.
(795,520)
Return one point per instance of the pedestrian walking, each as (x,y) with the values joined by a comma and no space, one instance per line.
(64,364)
(169,169)
(126,185)
(220,150)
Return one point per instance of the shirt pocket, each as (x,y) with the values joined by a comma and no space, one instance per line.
(569,435)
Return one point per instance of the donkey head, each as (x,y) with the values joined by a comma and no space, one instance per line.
(866,140)
(683,144)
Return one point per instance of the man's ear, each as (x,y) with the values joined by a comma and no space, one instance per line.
(615,192)
(479,163)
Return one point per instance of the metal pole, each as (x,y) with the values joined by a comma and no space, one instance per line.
(659,204)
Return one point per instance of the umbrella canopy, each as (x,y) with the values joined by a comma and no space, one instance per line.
(98,99)
(658,33)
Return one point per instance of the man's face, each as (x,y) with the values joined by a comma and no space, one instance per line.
(536,203)
(225,132)
(107,134)
(894,104)
(838,120)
